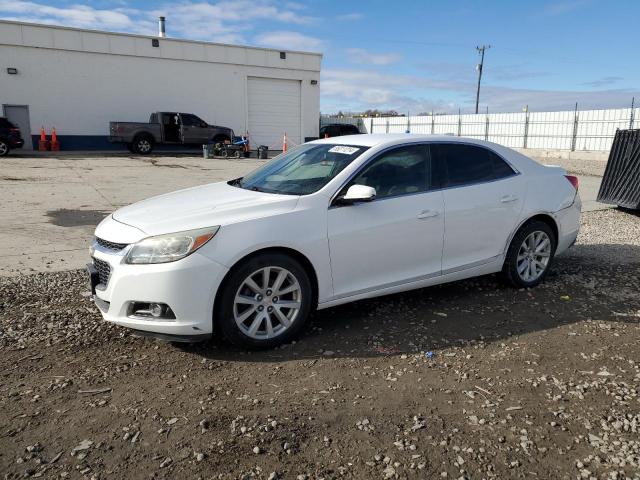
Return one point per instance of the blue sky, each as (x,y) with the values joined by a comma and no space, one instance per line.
(410,56)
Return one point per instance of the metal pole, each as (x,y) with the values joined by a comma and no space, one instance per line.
(526,126)
(459,123)
(371,125)
(433,123)
(575,129)
(486,126)
(633,99)
(480,65)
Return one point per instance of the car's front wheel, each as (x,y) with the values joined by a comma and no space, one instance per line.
(4,148)
(265,301)
(530,254)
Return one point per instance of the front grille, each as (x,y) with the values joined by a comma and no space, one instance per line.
(113,246)
(104,271)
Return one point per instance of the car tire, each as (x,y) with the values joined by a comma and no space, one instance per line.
(236,154)
(253,315)
(530,255)
(143,144)
(4,148)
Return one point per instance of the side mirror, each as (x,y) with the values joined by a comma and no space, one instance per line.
(357,193)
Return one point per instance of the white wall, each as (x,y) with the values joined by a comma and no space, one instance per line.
(79,80)
(594,129)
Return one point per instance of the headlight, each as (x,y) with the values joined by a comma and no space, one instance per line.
(169,247)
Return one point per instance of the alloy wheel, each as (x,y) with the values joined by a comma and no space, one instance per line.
(4,149)
(144,146)
(533,256)
(267,303)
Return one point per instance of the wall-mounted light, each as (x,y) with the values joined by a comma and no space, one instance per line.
(12,71)
(155,42)
(314,82)
(283,55)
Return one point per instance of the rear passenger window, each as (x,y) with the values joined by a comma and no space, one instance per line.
(501,169)
(461,164)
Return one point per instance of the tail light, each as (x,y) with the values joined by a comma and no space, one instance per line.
(573,180)
(14,130)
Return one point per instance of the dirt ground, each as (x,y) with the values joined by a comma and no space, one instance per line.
(467,380)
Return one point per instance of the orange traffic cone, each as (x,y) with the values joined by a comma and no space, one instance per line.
(55,146)
(43,144)
(284,143)
(247,148)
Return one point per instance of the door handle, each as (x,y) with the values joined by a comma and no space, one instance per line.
(508,198)
(428,214)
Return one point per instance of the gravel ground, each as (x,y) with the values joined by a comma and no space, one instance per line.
(576,166)
(467,380)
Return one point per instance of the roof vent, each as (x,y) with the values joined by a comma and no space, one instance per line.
(161,30)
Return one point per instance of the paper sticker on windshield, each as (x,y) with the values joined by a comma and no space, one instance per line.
(343,149)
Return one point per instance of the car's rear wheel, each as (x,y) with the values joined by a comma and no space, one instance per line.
(143,144)
(530,254)
(264,302)
(4,148)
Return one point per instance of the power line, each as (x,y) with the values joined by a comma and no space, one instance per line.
(480,65)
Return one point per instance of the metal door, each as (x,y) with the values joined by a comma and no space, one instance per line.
(19,116)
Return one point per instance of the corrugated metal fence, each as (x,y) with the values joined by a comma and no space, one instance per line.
(569,130)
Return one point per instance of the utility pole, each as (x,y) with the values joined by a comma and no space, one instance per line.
(481,52)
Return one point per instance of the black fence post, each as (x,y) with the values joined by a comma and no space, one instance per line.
(526,127)
(574,136)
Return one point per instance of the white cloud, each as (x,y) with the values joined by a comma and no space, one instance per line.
(289,41)
(227,21)
(358,90)
(359,55)
(74,15)
(603,82)
(560,8)
(349,17)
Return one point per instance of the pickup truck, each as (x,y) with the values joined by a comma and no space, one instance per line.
(167,128)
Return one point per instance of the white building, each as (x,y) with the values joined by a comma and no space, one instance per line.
(78,80)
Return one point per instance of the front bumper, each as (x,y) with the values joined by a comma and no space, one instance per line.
(187,286)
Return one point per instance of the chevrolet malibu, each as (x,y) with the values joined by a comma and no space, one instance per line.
(329,222)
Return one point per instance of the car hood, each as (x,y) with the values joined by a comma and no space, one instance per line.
(203,206)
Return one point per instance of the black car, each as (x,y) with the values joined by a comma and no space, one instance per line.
(338,129)
(10,137)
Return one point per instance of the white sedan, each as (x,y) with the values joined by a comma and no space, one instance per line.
(329,222)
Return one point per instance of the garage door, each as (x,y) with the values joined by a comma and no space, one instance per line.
(273,108)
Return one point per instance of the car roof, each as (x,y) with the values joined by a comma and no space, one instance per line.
(388,139)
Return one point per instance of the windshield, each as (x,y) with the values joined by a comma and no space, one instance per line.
(302,170)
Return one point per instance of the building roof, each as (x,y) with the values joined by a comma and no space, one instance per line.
(95,41)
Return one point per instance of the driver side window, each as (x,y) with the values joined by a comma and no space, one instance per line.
(401,171)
